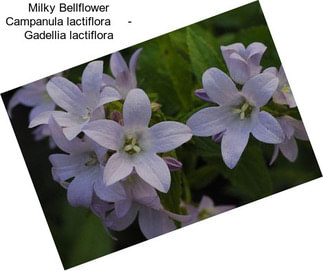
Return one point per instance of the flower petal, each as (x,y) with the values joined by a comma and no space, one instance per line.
(289,149)
(63,119)
(117,64)
(272,70)
(169,135)
(142,193)
(67,95)
(111,193)
(267,129)
(122,207)
(210,121)
(108,81)
(113,222)
(108,95)
(238,68)
(153,170)
(299,128)
(72,131)
(117,168)
(67,166)
(133,61)
(218,86)
(275,155)
(92,81)
(260,88)
(107,133)
(234,142)
(42,107)
(255,52)
(229,49)
(80,190)
(70,146)
(136,109)
(154,223)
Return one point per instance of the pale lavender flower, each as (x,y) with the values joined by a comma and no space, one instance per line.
(238,113)
(41,132)
(83,162)
(136,145)
(283,94)
(32,95)
(124,77)
(139,199)
(35,95)
(204,210)
(292,129)
(243,63)
(83,105)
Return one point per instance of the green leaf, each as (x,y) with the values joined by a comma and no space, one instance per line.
(86,235)
(203,50)
(250,178)
(171,200)
(204,146)
(179,71)
(164,68)
(203,176)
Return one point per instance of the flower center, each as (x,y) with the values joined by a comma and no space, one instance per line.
(131,145)
(244,110)
(93,160)
(88,115)
(286,89)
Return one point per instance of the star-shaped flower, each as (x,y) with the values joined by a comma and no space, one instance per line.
(81,106)
(243,63)
(33,95)
(136,145)
(238,113)
(124,77)
(83,162)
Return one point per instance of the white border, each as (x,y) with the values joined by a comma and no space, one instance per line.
(281,232)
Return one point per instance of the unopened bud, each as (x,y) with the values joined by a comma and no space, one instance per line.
(201,93)
(172,163)
(116,116)
(217,137)
(155,106)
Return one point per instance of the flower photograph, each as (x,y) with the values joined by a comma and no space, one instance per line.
(161,135)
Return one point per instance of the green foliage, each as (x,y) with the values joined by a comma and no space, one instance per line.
(85,235)
(171,200)
(203,51)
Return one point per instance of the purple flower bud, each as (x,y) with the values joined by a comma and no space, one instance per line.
(116,116)
(172,163)
(217,137)
(201,93)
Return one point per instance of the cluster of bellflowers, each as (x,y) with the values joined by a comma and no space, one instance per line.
(115,163)
(241,100)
